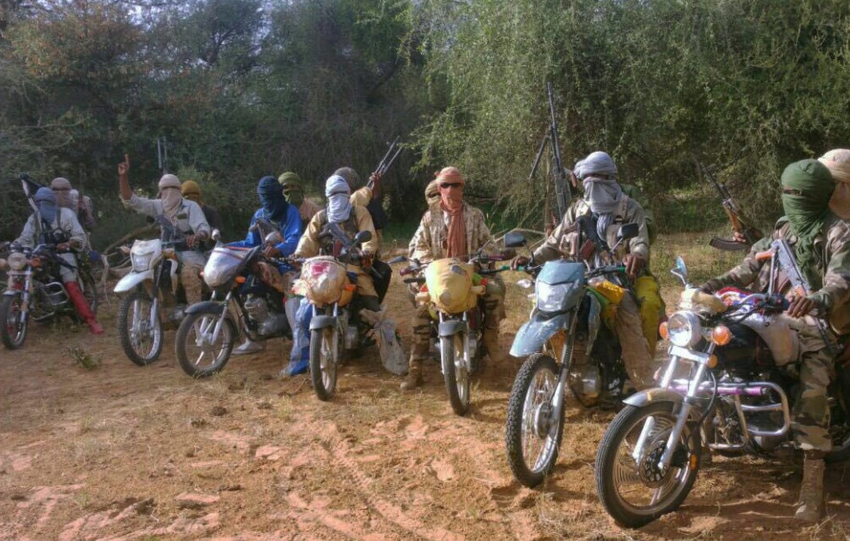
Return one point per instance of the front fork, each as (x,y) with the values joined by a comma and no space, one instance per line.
(219,323)
(559,396)
(26,291)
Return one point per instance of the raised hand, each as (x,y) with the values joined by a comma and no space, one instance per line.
(124,167)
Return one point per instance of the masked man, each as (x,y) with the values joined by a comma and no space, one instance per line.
(185,215)
(368,196)
(293,191)
(821,243)
(69,198)
(452,228)
(432,197)
(192,192)
(55,220)
(636,323)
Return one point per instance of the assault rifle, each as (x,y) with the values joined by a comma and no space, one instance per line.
(780,253)
(559,173)
(740,223)
(386,161)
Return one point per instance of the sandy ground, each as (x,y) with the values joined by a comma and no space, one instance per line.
(122,452)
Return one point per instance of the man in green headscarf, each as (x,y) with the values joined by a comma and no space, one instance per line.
(821,243)
(293,191)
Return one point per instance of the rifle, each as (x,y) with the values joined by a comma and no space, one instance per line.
(740,223)
(780,252)
(162,154)
(562,192)
(386,161)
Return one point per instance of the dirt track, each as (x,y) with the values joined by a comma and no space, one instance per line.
(122,452)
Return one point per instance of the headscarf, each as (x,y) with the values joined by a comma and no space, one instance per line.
(45,201)
(432,193)
(271,198)
(75,201)
(62,189)
(838,163)
(807,210)
(598,174)
(292,189)
(350,176)
(171,200)
(338,192)
(192,192)
(451,201)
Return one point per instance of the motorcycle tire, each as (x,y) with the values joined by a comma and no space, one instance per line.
(9,305)
(125,320)
(458,390)
(325,353)
(521,418)
(192,322)
(609,460)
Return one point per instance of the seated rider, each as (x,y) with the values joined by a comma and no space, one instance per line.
(192,191)
(184,214)
(293,191)
(41,228)
(286,220)
(636,323)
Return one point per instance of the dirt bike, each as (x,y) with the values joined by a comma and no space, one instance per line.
(451,289)
(35,291)
(335,326)
(568,323)
(152,284)
(206,335)
(734,398)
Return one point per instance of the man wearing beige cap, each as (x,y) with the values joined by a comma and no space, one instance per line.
(838,163)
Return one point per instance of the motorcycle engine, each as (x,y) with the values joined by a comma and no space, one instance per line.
(269,323)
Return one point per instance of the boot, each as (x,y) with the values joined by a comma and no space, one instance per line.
(491,344)
(414,375)
(82,307)
(810,506)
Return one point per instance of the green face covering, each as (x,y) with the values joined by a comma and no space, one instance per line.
(292,190)
(806,188)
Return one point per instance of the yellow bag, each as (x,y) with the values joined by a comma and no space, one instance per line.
(450,286)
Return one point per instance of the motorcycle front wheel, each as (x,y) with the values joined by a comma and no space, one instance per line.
(532,435)
(199,352)
(636,492)
(13,324)
(455,372)
(324,360)
(141,341)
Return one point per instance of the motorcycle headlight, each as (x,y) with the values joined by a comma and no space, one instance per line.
(551,298)
(17,261)
(684,329)
(141,262)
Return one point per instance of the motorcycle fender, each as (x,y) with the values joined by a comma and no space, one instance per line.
(535,332)
(205,307)
(322,322)
(129,282)
(651,396)
(452,327)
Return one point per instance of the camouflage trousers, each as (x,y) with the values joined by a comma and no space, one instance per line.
(814,367)
(494,312)
(191,264)
(636,354)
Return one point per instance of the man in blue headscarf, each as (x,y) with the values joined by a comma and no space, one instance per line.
(275,214)
(43,227)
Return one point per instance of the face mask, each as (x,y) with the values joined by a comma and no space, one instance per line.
(171,200)
(293,195)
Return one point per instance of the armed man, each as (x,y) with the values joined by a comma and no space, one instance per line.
(453,228)
(821,246)
(605,203)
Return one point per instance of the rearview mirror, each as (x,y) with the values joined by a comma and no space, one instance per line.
(680,270)
(628,231)
(362,236)
(514,240)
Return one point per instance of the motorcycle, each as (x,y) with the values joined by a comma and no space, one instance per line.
(206,335)
(568,322)
(335,326)
(35,292)
(734,398)
(152,283)
(451,289)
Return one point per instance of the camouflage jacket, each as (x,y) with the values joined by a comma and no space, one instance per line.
(560,241)
(429,241)
(311,245)
(832,259)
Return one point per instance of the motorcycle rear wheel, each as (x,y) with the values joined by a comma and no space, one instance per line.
(142,345)
(532,438)
(200,326)
(637,493)
(456,377)
(324,359)
(12,331)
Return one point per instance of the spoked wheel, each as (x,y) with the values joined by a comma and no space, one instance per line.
(140,329)
(455,372)
(637,491)
(199,350)
(532,434)
(13,324)
(324,360)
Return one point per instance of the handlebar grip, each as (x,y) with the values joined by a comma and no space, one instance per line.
(414,280)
